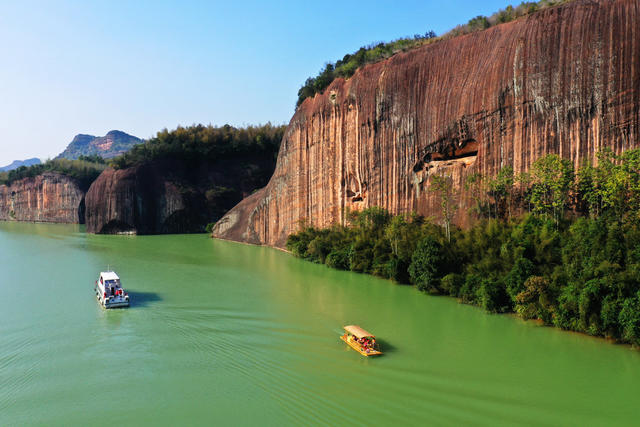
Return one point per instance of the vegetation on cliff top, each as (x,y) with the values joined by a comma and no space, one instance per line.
(213,167)
(571,259)
(199,142)
(84,170)
(376,52)
(348,65)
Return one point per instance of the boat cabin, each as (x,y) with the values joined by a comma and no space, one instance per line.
(361,341)
(110,283)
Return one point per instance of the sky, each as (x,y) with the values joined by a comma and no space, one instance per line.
(69,67)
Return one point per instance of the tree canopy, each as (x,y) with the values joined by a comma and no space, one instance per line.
(199,142)
(84,171)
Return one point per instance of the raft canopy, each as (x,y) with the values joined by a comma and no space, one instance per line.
(358,332)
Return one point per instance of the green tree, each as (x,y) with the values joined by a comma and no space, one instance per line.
(402,236)
(478,23)
(443,186)
(589,306)
(515,280)
(629,163)
(425,265)
(588,191)
(609,316)
(612,189)
(470,289)
(552,179)
(536,300)
(493,296)
(501,190)
(474,184)
(630,319)
(523,180)
(395,232)
(339,259)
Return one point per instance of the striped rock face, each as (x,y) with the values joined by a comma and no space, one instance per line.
(49,197)
(565,80)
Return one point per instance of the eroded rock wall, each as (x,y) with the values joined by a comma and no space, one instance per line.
(565,80)
(131,200)
(50,197)
(171,196)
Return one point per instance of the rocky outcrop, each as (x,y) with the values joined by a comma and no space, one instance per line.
(111,145)
(50,197)
(565,80)
(132,200)
(171,196)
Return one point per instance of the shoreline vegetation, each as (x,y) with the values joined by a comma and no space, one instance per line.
(376,52)
(557,245)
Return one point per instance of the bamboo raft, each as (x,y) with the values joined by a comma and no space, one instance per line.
(353,334)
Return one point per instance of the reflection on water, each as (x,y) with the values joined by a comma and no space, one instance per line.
(232,334)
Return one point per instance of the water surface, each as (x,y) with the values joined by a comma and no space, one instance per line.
(226,333)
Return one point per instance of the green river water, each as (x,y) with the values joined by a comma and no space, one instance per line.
(221,333)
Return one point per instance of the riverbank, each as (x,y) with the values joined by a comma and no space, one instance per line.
(512,315)
(580,275)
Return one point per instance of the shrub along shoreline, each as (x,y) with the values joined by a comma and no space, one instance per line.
(570,257)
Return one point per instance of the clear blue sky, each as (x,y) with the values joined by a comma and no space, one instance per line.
(92,66)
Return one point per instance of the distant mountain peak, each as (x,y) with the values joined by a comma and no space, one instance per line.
(116,132)
(81,136)
(17,163)
(82,139)
(114,143)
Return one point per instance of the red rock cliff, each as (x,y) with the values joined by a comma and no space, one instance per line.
(49,197)
(565,80)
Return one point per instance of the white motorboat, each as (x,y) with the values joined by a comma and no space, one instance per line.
(109,291)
